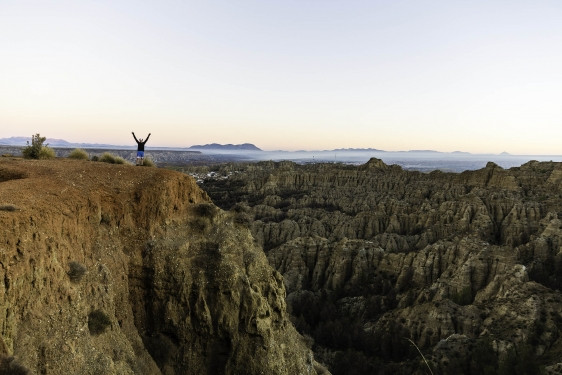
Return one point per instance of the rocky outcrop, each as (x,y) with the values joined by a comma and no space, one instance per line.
(109,269)
(373,256)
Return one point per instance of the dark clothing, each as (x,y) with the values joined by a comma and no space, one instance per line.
(140,145)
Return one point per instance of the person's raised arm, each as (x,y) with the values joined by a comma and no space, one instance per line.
(146,140)
(133,133)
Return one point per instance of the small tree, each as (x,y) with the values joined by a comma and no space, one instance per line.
(36,150)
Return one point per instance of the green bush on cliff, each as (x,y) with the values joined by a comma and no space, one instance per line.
(207,210)
(36,150)
(199,224)
(204,214)
(98,322)
(242,215)
(76,271)
(9,366)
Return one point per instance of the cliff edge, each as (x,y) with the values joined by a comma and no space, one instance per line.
(115,269)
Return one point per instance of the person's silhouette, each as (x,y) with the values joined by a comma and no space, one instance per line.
(140,148)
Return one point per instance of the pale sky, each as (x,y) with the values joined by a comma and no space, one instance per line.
(476,76)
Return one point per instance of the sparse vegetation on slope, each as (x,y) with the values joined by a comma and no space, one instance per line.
(37,150)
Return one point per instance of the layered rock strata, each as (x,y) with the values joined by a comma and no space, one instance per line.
(373,256)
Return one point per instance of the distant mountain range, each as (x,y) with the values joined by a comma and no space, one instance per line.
(224,148)
(424,151)
(227,147)
(357,150)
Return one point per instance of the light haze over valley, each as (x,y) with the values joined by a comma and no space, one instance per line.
(418,160)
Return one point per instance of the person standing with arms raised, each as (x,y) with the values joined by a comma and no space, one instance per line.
(140,148)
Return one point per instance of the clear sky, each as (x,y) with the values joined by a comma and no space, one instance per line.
(477,76)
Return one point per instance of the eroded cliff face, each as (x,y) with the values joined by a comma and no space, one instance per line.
(109,269)
(468,266)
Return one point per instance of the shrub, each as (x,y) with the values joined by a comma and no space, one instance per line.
(98,322)
(9,365)
(76,271)
(36,150)
(206,210)
(8,207)
(79,154)
(148,163)
(95,158)
(46,153)
(106,157)
(199,224)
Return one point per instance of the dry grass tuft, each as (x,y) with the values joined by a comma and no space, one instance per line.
(78,154)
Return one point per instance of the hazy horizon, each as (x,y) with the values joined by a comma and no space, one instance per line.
(352,154)
(480,77)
